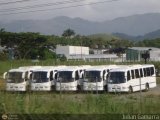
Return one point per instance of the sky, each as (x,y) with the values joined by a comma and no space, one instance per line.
(100,10)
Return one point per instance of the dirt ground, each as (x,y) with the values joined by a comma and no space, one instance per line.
(153,91)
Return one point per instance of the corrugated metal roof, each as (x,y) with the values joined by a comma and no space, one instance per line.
(144,48)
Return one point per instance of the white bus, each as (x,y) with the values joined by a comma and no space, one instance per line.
(68,79)
(43,79)
(18,79)
(132,78)
(96,78)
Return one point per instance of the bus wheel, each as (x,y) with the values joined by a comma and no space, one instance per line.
(106,88)
(147,87)
(78,88)
(130,89)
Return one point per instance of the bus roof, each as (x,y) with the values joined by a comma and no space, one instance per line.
(70,68)
(101,67)
(130,67)
(49,68)
(29,67)
(24,69)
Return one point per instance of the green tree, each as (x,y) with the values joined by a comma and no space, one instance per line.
(68,33)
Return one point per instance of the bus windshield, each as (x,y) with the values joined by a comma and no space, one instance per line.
(15,77)
(40,77)
(65,76)
(116,77)
(93,76)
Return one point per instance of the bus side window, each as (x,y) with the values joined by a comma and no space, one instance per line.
(132,72)
(144,70)
(152,70)
(148,71)
(141,73)
(51,75)
(137,73)
(128,75)
(76,75)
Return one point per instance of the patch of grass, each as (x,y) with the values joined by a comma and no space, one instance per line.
(38,103)
(158,80)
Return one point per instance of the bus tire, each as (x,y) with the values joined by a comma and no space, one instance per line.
(106,88)
(78,88)
(147,87)
(130,89)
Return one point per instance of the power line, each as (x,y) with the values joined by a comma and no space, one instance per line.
(40,5)
(13,2)
(40,10)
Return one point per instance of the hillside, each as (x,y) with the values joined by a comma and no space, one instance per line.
(150,35)
(136,25)
(106,37)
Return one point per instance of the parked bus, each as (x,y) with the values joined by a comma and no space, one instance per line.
(132,78)
(18,79)
(43,79)
(96,78)
(69,79)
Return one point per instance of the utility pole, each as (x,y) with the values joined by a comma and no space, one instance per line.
(81,49)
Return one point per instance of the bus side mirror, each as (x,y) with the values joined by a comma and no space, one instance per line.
(55,75)
(73,75)
(48,75)
(81,74)
(4,75)
(106,76)
(29,76)
(23,76)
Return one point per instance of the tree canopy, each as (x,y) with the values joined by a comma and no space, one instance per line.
(29,45)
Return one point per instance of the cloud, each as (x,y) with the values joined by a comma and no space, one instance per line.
(99,12)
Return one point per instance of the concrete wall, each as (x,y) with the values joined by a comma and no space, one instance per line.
(155,55)
(72,50)
(62,50)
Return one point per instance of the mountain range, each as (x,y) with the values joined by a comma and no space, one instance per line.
(134,27)
(150,35)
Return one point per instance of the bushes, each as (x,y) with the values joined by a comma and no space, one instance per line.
(3,56)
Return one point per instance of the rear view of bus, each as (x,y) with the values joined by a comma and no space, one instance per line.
(18,79)
(96,78)
(132,78)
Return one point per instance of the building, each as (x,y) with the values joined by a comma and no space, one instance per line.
(99,51)
(136,53)
(98,57)
(82,53)
(72,50)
